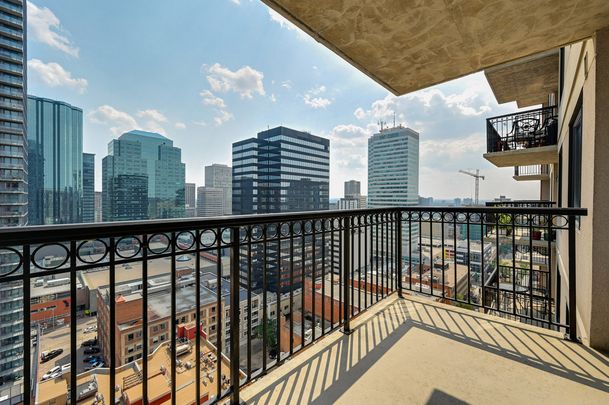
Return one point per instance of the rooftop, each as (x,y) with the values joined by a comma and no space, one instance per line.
(147,134)
(415,351)
(129,376)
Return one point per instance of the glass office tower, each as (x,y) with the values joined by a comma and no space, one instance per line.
(55,162)
(138,154)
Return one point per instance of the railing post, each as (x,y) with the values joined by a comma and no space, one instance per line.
(234,315)
(398,240)
(572,282)
(346,268)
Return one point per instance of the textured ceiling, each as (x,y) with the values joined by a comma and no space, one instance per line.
(406,45)
(528,81)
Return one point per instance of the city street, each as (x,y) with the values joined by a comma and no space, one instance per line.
(59,338)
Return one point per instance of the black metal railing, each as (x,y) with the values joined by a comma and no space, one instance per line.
(523,130)
(195,308)
(532,170)
(522,204)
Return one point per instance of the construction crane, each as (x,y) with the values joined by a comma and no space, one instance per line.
(477,176)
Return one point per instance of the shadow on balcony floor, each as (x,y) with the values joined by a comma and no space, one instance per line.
(414,351)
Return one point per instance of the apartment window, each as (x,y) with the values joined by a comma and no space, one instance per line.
(575,157)
(560,165)
(561,75)
(130,337)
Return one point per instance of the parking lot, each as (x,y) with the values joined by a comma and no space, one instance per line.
(59,338)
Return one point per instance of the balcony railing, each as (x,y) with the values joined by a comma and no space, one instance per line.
(532,170)
(522,204)
(523,130)
(173,322)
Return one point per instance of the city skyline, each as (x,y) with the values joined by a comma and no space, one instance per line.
(220,95)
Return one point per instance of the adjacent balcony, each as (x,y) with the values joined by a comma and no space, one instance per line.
(523,139)
(384,305)
(532,173)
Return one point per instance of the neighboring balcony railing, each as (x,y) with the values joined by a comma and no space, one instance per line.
(532,170)
(195,308)
(523,130)
(522,204)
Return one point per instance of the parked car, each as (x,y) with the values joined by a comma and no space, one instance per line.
(65,368)
(90,342)
(92,350)
(90,329)
(51,354)
(91,359)
(97,363)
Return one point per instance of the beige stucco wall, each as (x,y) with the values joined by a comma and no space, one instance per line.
(586,68)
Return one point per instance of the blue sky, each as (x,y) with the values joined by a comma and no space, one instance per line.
(209,73)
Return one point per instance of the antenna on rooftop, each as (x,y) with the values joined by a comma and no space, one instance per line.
(394,119)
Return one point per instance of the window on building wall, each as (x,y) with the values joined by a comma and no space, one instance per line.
(575,158)
(559,180)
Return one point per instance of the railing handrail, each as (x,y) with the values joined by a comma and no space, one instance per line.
(87,231)
(520,113)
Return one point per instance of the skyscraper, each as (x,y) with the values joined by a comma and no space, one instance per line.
(393,173)
(98,206)
(124,173)
(352,189)
(281,170)
(352,198)
(154,157)
(13,180)
(190,193)
(220,176)
(13,142)
(88,187)
(210,202)
(55,162)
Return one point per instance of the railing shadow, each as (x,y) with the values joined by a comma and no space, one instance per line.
(337,363)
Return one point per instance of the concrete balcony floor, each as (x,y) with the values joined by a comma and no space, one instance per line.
(413,351)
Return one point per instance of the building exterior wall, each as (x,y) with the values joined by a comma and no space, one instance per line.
(586,84)
(13,140)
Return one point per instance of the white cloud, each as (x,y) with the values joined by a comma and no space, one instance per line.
(200,123)
(273,98)
(235,1)
(360,114)
(284,23)
(118,121)
(316,102)
(222,117)
(287,84)
(246,81)
(54,75)
(152,114)
(311,100)
(210,99)
(180,125)
(45,27)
